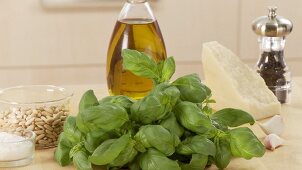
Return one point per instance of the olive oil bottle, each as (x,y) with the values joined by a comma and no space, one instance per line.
(135,29)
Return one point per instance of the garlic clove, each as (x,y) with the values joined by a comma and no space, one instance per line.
(272,141)
(274,125)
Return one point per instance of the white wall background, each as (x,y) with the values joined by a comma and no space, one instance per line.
(41,45)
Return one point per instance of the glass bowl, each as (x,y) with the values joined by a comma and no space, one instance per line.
(38,108)
(16,148)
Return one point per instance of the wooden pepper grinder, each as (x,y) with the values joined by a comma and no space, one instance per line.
(271,65)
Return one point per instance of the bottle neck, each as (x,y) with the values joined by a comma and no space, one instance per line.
(136,11)
(269,44)
(136,1)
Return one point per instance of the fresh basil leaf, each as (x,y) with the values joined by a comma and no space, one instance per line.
(210,161)
(156,105)
(81,124)
(88,99)
(109,150)
(207,110)
(223,153)
(134,165)
(207,101)
(95,138)
(106,117)
(123,101)
(159,88)
(158,137)
(80,157)
(62,151)
(187,134)
(168,69)
(71,131)
(198,162)
(160,66)
(172,125)
(192,118)
(76,148)
(126,156)
(140,64)
(140,147)
(191,89)
(232,117)
(245,144)
(220,126)
(180,158)
(196,145)
(155,160)
(80,160)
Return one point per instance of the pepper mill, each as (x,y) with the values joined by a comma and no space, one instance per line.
(271,65)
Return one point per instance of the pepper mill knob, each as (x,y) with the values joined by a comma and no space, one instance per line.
(272,12)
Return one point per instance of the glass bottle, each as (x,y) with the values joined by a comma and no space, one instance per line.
(136,28)
(271,65)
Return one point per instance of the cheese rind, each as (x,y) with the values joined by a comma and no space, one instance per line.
(235,85)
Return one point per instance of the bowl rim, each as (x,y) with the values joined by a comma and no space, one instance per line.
(32,138)
(67,96)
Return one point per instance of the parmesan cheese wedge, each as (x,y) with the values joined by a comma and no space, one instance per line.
(235,85)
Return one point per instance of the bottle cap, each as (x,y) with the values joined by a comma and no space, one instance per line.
(272,25)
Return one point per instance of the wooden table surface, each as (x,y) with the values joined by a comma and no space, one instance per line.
(287,157)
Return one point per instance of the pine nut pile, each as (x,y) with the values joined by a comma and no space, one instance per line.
(46,122)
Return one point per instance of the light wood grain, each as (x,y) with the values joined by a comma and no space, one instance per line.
(95,73)
(77,74)
(287,157)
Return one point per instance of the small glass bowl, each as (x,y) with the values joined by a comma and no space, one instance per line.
(16,148)
(38,108)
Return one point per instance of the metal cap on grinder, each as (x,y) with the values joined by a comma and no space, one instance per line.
(272,25)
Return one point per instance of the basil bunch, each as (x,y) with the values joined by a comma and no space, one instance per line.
(173,127)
